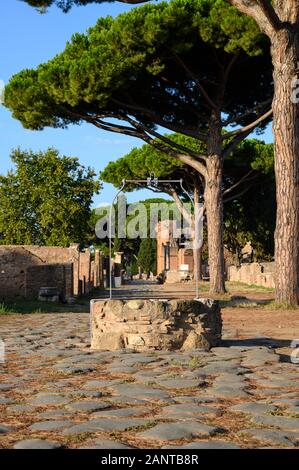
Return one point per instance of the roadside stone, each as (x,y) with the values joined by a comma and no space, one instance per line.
(56,414)
(5,401)
(227,392)
(4,429)
(95,384)
(46,399)
(37,444)
(20,409)
(181,383)
(87,406)
(280,438)
(259,357)
(287,424)
(188,430)
(281,384)
(78,369)
(125,400)
(205,445)
(56,425)
(106,425)
(186,411)
(5,387)
(105,444)
(121,413)
(220,368)
(141,392)
(253,408)
(87,393)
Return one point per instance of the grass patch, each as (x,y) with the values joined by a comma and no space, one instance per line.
(283,412)
(279,306)
(77,438)
(23,306)
(240,286)
(142,427)
(4,309)
(195,362)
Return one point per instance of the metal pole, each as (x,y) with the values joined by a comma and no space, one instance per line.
(110,237)
(196,272)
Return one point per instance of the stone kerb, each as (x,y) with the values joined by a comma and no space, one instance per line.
(155,324)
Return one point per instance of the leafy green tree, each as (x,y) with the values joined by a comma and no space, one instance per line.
(279,20)
(248,190)
(66,5)
(206,65)
(46,200)
(129,246)
(147,255)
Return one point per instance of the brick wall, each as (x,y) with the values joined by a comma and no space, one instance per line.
(49,275)
(16,260)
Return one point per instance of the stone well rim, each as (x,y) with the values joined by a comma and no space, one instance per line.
(92,301)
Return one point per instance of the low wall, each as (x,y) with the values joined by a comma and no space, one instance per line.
(259,274)
(145,324)
(19,278)
(49,275)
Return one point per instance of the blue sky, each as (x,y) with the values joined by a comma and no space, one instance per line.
(28,38)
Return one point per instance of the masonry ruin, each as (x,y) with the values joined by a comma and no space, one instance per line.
(173,258)
(155,324)
(27,268)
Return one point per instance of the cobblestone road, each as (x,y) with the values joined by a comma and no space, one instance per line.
(55,392)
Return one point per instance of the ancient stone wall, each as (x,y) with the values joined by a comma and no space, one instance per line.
(259,274)
(15,260)
(155,324)
(49,275)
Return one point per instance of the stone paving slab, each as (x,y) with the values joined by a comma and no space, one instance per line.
(37,444)
(56,425)
(87,406)
(105,444)
(274,437)
(206,445)
(175,431)
(59,390)
(107,425)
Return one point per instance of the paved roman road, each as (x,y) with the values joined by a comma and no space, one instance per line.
(56,392)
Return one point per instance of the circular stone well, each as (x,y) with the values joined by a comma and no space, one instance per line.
(155,324)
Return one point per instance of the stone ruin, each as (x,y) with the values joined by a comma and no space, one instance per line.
(155,324)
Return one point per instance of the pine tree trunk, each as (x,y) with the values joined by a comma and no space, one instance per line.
(214,211)
(286,133)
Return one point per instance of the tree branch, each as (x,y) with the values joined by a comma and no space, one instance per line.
(196,81)
(164,139)
(249,127)
(262,12)
(173,127)
(142,133)
(235,118)
(242,180)
(233,144)
(241,193)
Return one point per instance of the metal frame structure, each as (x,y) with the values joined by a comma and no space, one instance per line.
(151,181)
